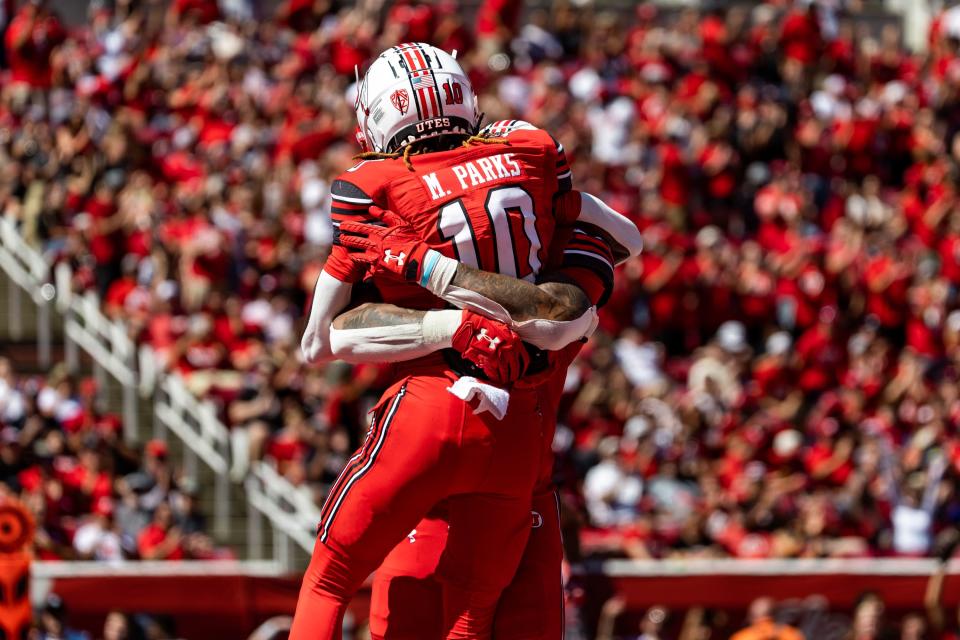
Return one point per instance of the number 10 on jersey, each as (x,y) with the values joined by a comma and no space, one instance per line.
(455,225)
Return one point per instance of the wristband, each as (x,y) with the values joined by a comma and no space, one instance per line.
(429,262)
(438,272)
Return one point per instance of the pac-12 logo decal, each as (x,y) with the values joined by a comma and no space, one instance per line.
(400,100)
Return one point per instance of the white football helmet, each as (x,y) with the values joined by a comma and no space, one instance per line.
(412,92)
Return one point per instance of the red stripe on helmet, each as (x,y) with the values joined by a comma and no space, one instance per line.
(423,61)
(425,105)
(411,61)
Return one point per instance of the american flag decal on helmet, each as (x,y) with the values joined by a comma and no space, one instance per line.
(425,89)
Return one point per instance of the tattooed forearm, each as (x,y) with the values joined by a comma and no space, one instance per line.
(376,314)
(525,300)
(555,300)
(569,299)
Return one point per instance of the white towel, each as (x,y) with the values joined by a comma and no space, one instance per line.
(490,398)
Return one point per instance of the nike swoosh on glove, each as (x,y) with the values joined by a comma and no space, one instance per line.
(395,249)
(493,346)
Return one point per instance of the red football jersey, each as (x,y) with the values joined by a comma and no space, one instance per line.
(487,205)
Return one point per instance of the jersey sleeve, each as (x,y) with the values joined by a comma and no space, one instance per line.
(347,202)
(566,207)
(564,174)
(587,260)
(520,130)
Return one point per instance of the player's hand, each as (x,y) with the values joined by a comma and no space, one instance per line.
(396,248)
(493,346)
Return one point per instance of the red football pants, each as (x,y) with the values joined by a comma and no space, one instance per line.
(425,445)
(407,602)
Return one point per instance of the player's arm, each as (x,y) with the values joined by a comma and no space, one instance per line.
(397,250)
(550,315)
(334,287)
(601,238)
(358,335)
(592,214)
(379,332)
(556,300)
(330,297)
(572,206)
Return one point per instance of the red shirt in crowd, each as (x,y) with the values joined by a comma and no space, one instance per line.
(419,20)
(205,10)
(889,303)
(151,537)
(81,479)
(496,13)
(674,185)
(30,39)
(820,359)
(950,257)
(800,37)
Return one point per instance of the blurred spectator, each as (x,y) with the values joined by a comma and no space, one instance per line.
(116,626)
(97,538)
(868,617)
(651,625)
(939,621)
(762,625)
(276,627)
(161,539)
(53,621)
(31,37)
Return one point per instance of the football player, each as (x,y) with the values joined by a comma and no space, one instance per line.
(407,594)
(490,204)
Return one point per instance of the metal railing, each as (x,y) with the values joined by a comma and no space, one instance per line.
(31,273)
(105,341)
(195,423)
(289,511)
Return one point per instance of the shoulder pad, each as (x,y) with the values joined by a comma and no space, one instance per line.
(348,191)
(364,182)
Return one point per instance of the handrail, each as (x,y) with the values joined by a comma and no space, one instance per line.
(194,422)
(21,263)
(290,510)
(106,341)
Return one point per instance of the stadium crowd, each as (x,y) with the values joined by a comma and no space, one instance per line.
(91,496)
(774,377)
